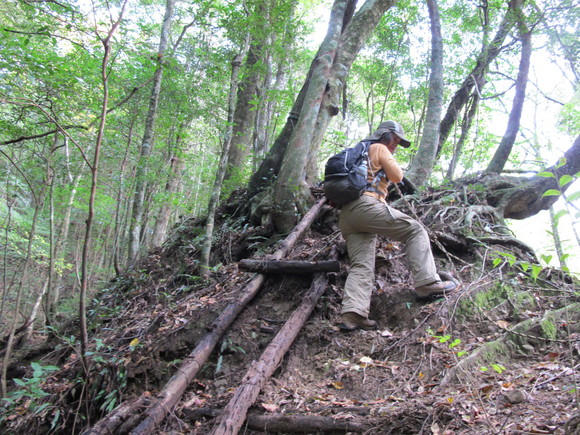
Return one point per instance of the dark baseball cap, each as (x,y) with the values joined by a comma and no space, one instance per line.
(393,126)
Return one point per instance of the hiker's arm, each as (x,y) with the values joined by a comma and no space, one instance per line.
(390,165)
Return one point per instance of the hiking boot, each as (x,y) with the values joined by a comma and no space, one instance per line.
(439,288)
(352,321)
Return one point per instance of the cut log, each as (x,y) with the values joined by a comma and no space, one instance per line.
(290,267)
(234,414)
(191,365)
(285,423)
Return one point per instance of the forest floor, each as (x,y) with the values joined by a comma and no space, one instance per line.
(446,366)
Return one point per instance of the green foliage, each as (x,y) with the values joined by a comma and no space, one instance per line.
(30,390)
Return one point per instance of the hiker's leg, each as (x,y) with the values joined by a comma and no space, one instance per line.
(376,217)
(360,281)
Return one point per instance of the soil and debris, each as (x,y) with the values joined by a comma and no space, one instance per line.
(447,366)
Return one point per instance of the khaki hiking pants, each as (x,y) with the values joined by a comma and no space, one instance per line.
(360,221)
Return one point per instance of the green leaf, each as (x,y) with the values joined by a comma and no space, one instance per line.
(525,266)
(561,162)
(498,368)
(546,174)
(41,408)
(536,269)
(565,179)
(456,342)
(19,382)
(55,419)
(559,214)
(551,192)
(547,258)
(496,262)
(573,197)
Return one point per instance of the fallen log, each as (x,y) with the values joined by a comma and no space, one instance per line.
(110,425)
(234,414)
(289,423)
(191,365)
(292,267)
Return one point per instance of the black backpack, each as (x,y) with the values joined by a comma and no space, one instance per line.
(345,174)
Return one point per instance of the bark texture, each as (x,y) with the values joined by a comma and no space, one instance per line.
(289,266)
(326,81)
(504,150)
(422,165)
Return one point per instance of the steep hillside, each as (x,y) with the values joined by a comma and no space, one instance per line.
(499,356)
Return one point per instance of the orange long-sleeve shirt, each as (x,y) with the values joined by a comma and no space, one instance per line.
(381,158)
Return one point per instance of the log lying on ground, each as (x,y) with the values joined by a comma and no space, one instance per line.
(110,425)
(292,423)
(234,414)
(289,266)
(191,365)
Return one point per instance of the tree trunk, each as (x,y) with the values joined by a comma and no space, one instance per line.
(147,143)
(424,159)
(61,241)
(94,167)
(234,414)
(222,166)
(557,240)
(465,128)
(122,207)
(244,116)
(476,77)
(329,70)
(284,423)
(504,150)
(525,197)
(16,309)
(170,188)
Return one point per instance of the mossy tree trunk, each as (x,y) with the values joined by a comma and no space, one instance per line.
(315,105)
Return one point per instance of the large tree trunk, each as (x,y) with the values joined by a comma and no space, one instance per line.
(329,70)
(147,143)
(222,166)
(504,150)
(422,165)
(244,115)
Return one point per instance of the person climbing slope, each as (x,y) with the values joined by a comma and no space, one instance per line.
(362,219)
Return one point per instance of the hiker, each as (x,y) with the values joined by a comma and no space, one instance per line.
(362,219)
